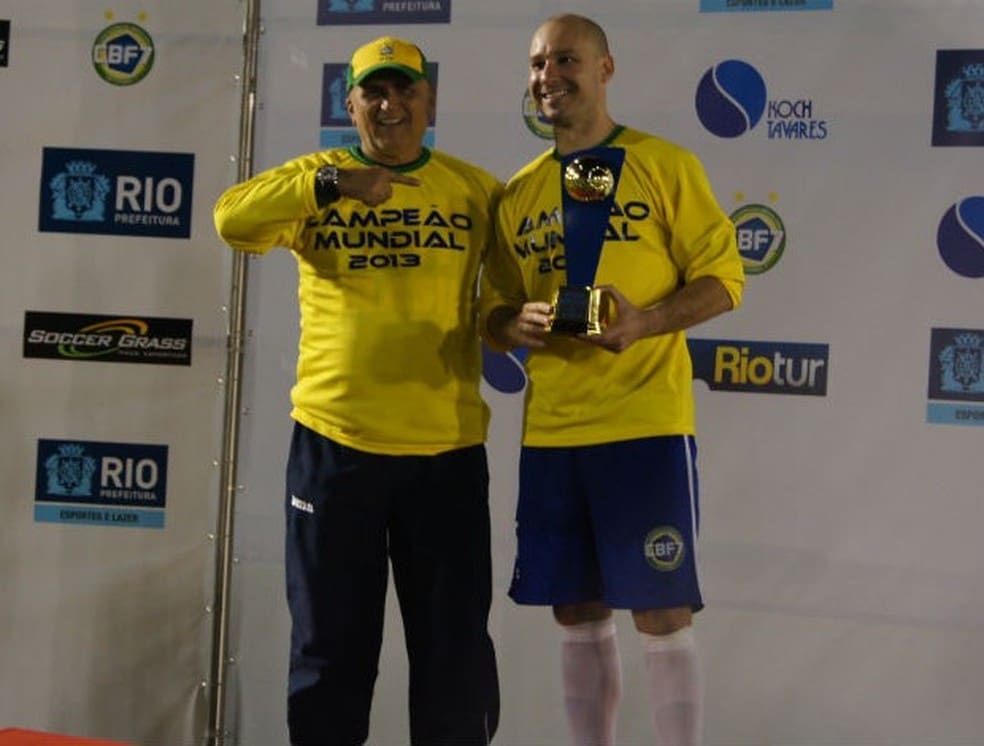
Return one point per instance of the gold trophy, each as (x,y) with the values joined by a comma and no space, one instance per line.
(580,309)
(577,310)
(588,179)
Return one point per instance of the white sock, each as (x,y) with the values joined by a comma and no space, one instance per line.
(592,673)
(675,688)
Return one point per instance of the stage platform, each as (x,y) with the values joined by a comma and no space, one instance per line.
(21,737)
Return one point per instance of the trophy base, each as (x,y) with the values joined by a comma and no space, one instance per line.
(577,310)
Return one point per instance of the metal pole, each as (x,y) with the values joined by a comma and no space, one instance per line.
(217,732)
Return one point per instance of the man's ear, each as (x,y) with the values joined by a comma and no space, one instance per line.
(349,107)
(431,101)
(607,68)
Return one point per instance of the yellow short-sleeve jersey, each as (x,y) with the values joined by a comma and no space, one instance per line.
(665,229)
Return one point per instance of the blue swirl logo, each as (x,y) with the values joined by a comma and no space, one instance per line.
(504,371)
(960,237)
(731,98)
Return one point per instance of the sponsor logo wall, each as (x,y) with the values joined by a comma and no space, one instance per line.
(801,464)
(115,123)
(748,91)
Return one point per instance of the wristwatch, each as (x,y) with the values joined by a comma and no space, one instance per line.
(326,185)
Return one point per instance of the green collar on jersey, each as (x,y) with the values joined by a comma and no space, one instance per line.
(616,131)
(356,152)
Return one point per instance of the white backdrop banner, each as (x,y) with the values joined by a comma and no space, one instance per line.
(119,123)
(839,410)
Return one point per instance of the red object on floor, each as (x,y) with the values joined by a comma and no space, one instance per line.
(20,737)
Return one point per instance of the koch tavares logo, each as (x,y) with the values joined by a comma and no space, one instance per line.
(116,192)
(732,99)
(958,101)
(960,237)
(956,377)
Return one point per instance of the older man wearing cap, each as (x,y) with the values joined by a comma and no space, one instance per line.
(387,461)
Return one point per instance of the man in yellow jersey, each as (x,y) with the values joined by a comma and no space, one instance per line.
(387,463)
(607,511)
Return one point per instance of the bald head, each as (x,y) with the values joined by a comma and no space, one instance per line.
(570,67)
(583,26)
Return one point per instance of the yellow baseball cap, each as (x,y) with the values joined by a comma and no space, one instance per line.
(386,53)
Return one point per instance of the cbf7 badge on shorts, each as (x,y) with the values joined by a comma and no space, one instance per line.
(664,548)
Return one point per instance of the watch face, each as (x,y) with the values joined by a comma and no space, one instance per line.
(326,185)
(328,174)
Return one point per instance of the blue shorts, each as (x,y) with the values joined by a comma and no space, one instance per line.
(615,522)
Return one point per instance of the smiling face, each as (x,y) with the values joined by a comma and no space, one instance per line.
(391,113)
(569,68)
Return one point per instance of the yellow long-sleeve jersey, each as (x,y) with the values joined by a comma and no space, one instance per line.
(389,358)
